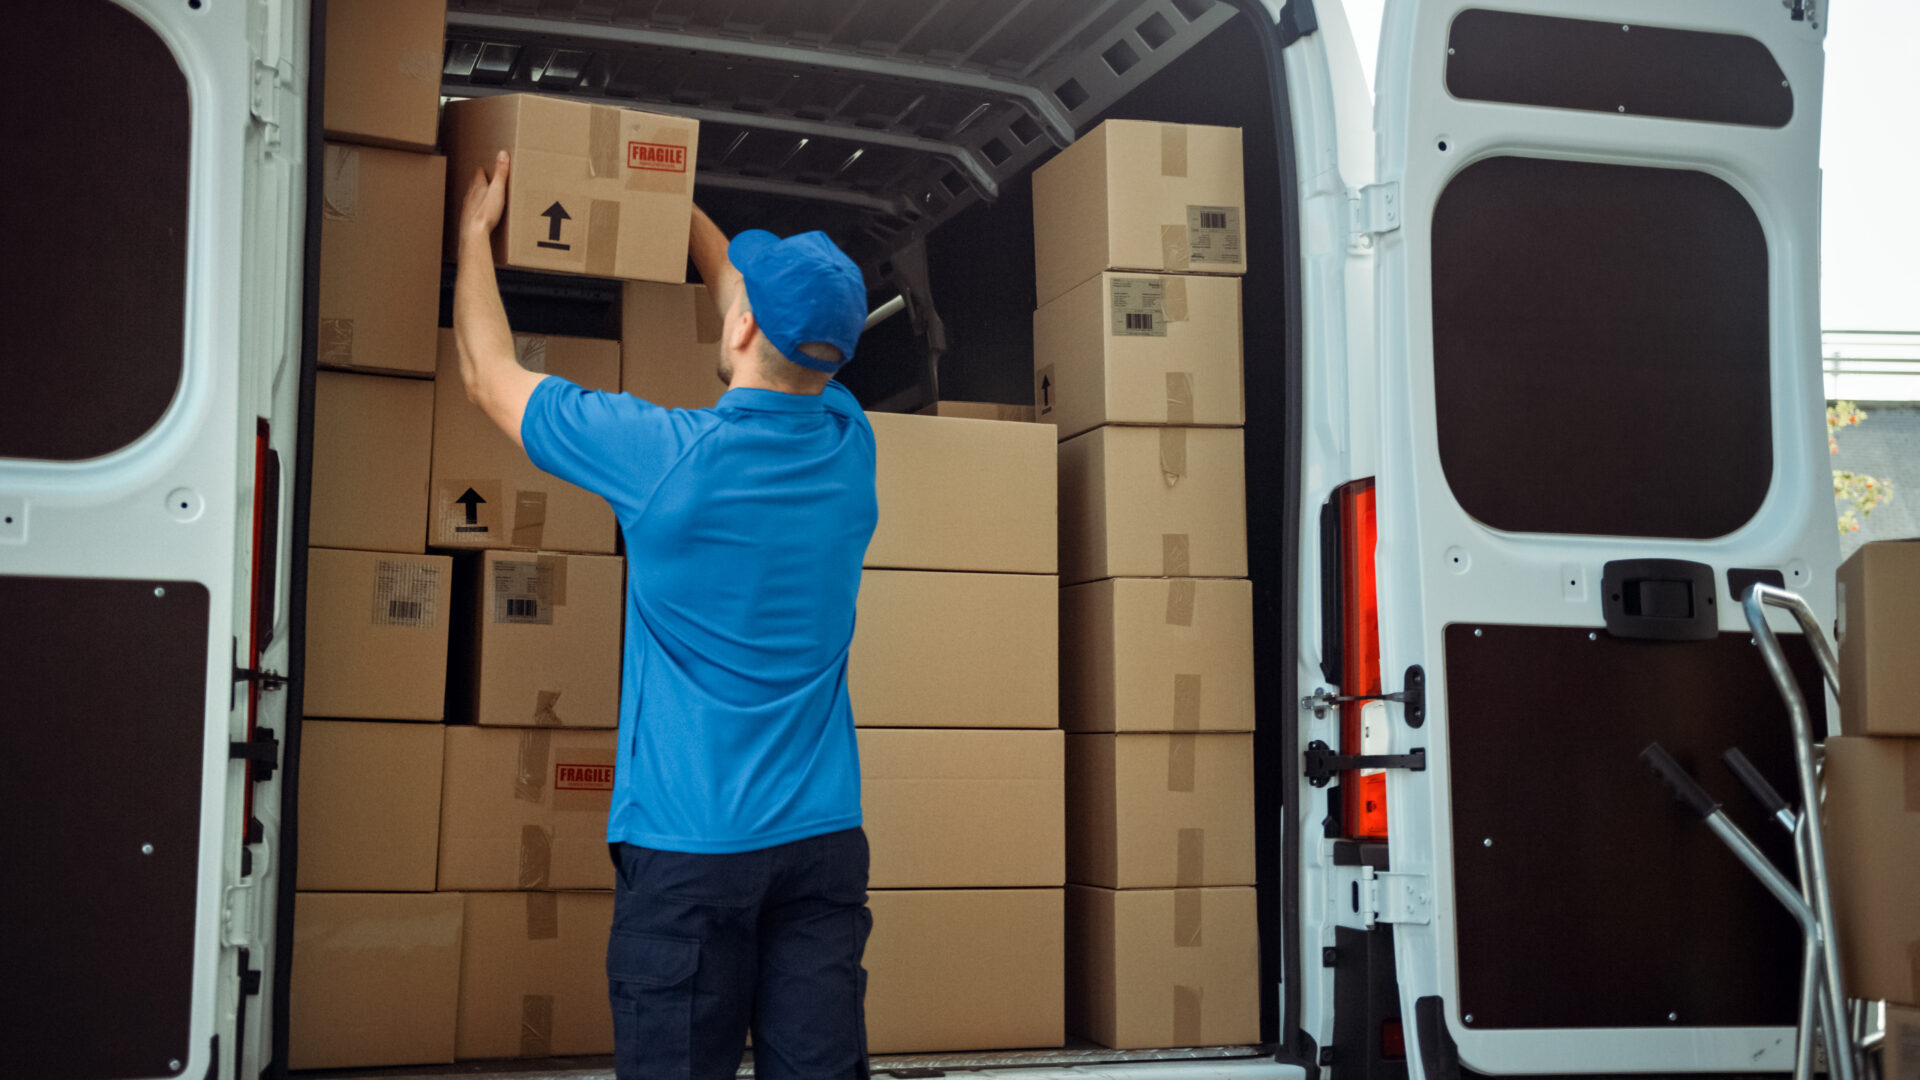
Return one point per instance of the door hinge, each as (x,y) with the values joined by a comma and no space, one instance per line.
(264,97)
(1323,764)
(1385,896)
(1374,210)
(1414,697)
(263,751)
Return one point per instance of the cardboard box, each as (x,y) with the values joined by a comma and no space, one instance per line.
(594,189)
(1900,1050)
(376,977)
(1152,968)
(369,806)
(526,809)
(1139,349)
(486,493)
(965,969)
(934,649)
(377,634)
(379,259)
(1158,811)
(1873,862)
(1878,622)
(372,454)
(383,71)
(981,410)
(533,975)
(540,640)
(670,345)
(963,495)
(1157,654)
(1138,195)
(964,809)
(1152,502)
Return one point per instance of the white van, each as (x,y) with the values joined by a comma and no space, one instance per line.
(1532,395)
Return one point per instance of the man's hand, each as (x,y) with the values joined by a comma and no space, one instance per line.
(485,201)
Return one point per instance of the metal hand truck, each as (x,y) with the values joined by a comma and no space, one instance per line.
(1823,1003)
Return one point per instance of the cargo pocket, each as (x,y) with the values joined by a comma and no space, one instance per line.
(650,982)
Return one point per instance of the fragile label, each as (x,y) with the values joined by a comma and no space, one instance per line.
(656,157)
(522,592)
(1213,235)
(1139,307)
(406,594)
(576,776)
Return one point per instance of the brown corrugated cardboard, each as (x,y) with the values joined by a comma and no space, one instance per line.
(1879,628)
(1139,349)
(540,640)
(1137,195)
(1873,858)
(1154,968)
(1157,654)
(379,259)
(1152,502)
(1156,811)
(1900,1050)
(372,452)
(934,649)
(965,969)
(964,809)
(526,809)
(533,975)
(980,410)
(377,634)
(383,71)
(670,345)
(369,806)
(594,189)
(376,977)
(486,493)
(963,495)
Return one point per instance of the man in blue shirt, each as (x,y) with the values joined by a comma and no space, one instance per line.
(741,895)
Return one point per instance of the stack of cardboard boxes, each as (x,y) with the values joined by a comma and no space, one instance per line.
(1872,780)
(954,681)
(1138,242)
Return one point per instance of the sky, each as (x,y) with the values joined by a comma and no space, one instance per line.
(1869,155)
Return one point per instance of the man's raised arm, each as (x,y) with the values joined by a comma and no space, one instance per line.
(494,379)
(708,245)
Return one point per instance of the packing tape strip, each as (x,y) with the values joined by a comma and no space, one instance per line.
(603,237)
(1190,866)
(336,341)
(535,762)
(1186,702)
(1181,751)
(1186,1015)
(1173,150)
(1174,254)
(1913,789)
(1173,454)
(1180,596)
(340,183)
(1187,908)
(543,916)
(529,518)
(552,571)
(543,712)
(536,1025)
(1174,305)
(536,858)
(530,351)
(603,142)
(1179,397)
(1174,555)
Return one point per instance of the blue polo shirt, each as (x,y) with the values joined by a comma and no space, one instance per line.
(745,526)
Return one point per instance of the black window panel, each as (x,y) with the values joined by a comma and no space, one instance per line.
(1616,68)
(1600,349)
(1600,901)
(96,224)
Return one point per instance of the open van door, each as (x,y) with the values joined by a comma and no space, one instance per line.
(1595,231)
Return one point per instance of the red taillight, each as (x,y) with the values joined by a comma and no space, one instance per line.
(1364,793)
(1393,1040)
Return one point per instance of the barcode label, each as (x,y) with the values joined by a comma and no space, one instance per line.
(522,592)
(1139,307)
(1213,236)
(406,594)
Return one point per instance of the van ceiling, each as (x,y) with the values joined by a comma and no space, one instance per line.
(896,114)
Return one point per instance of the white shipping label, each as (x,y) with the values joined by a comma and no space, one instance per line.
(1213,235)
(522,592)
(406,594)
(1139,307)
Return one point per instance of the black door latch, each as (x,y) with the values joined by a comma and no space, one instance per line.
(263,751)
(1323,764)
(1414,697)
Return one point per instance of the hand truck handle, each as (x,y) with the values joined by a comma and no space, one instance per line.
(1678,781)
(1757,784)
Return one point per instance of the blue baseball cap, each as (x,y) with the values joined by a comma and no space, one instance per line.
(802,289)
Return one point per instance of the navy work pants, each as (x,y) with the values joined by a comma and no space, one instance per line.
(706,947)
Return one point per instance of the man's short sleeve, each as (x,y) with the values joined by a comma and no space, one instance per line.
(839,399)
(614,445)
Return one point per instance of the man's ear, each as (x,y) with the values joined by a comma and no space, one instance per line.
(743,330)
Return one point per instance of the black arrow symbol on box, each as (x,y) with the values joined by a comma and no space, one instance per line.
(1046,392)
(555,214)
(471,500)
